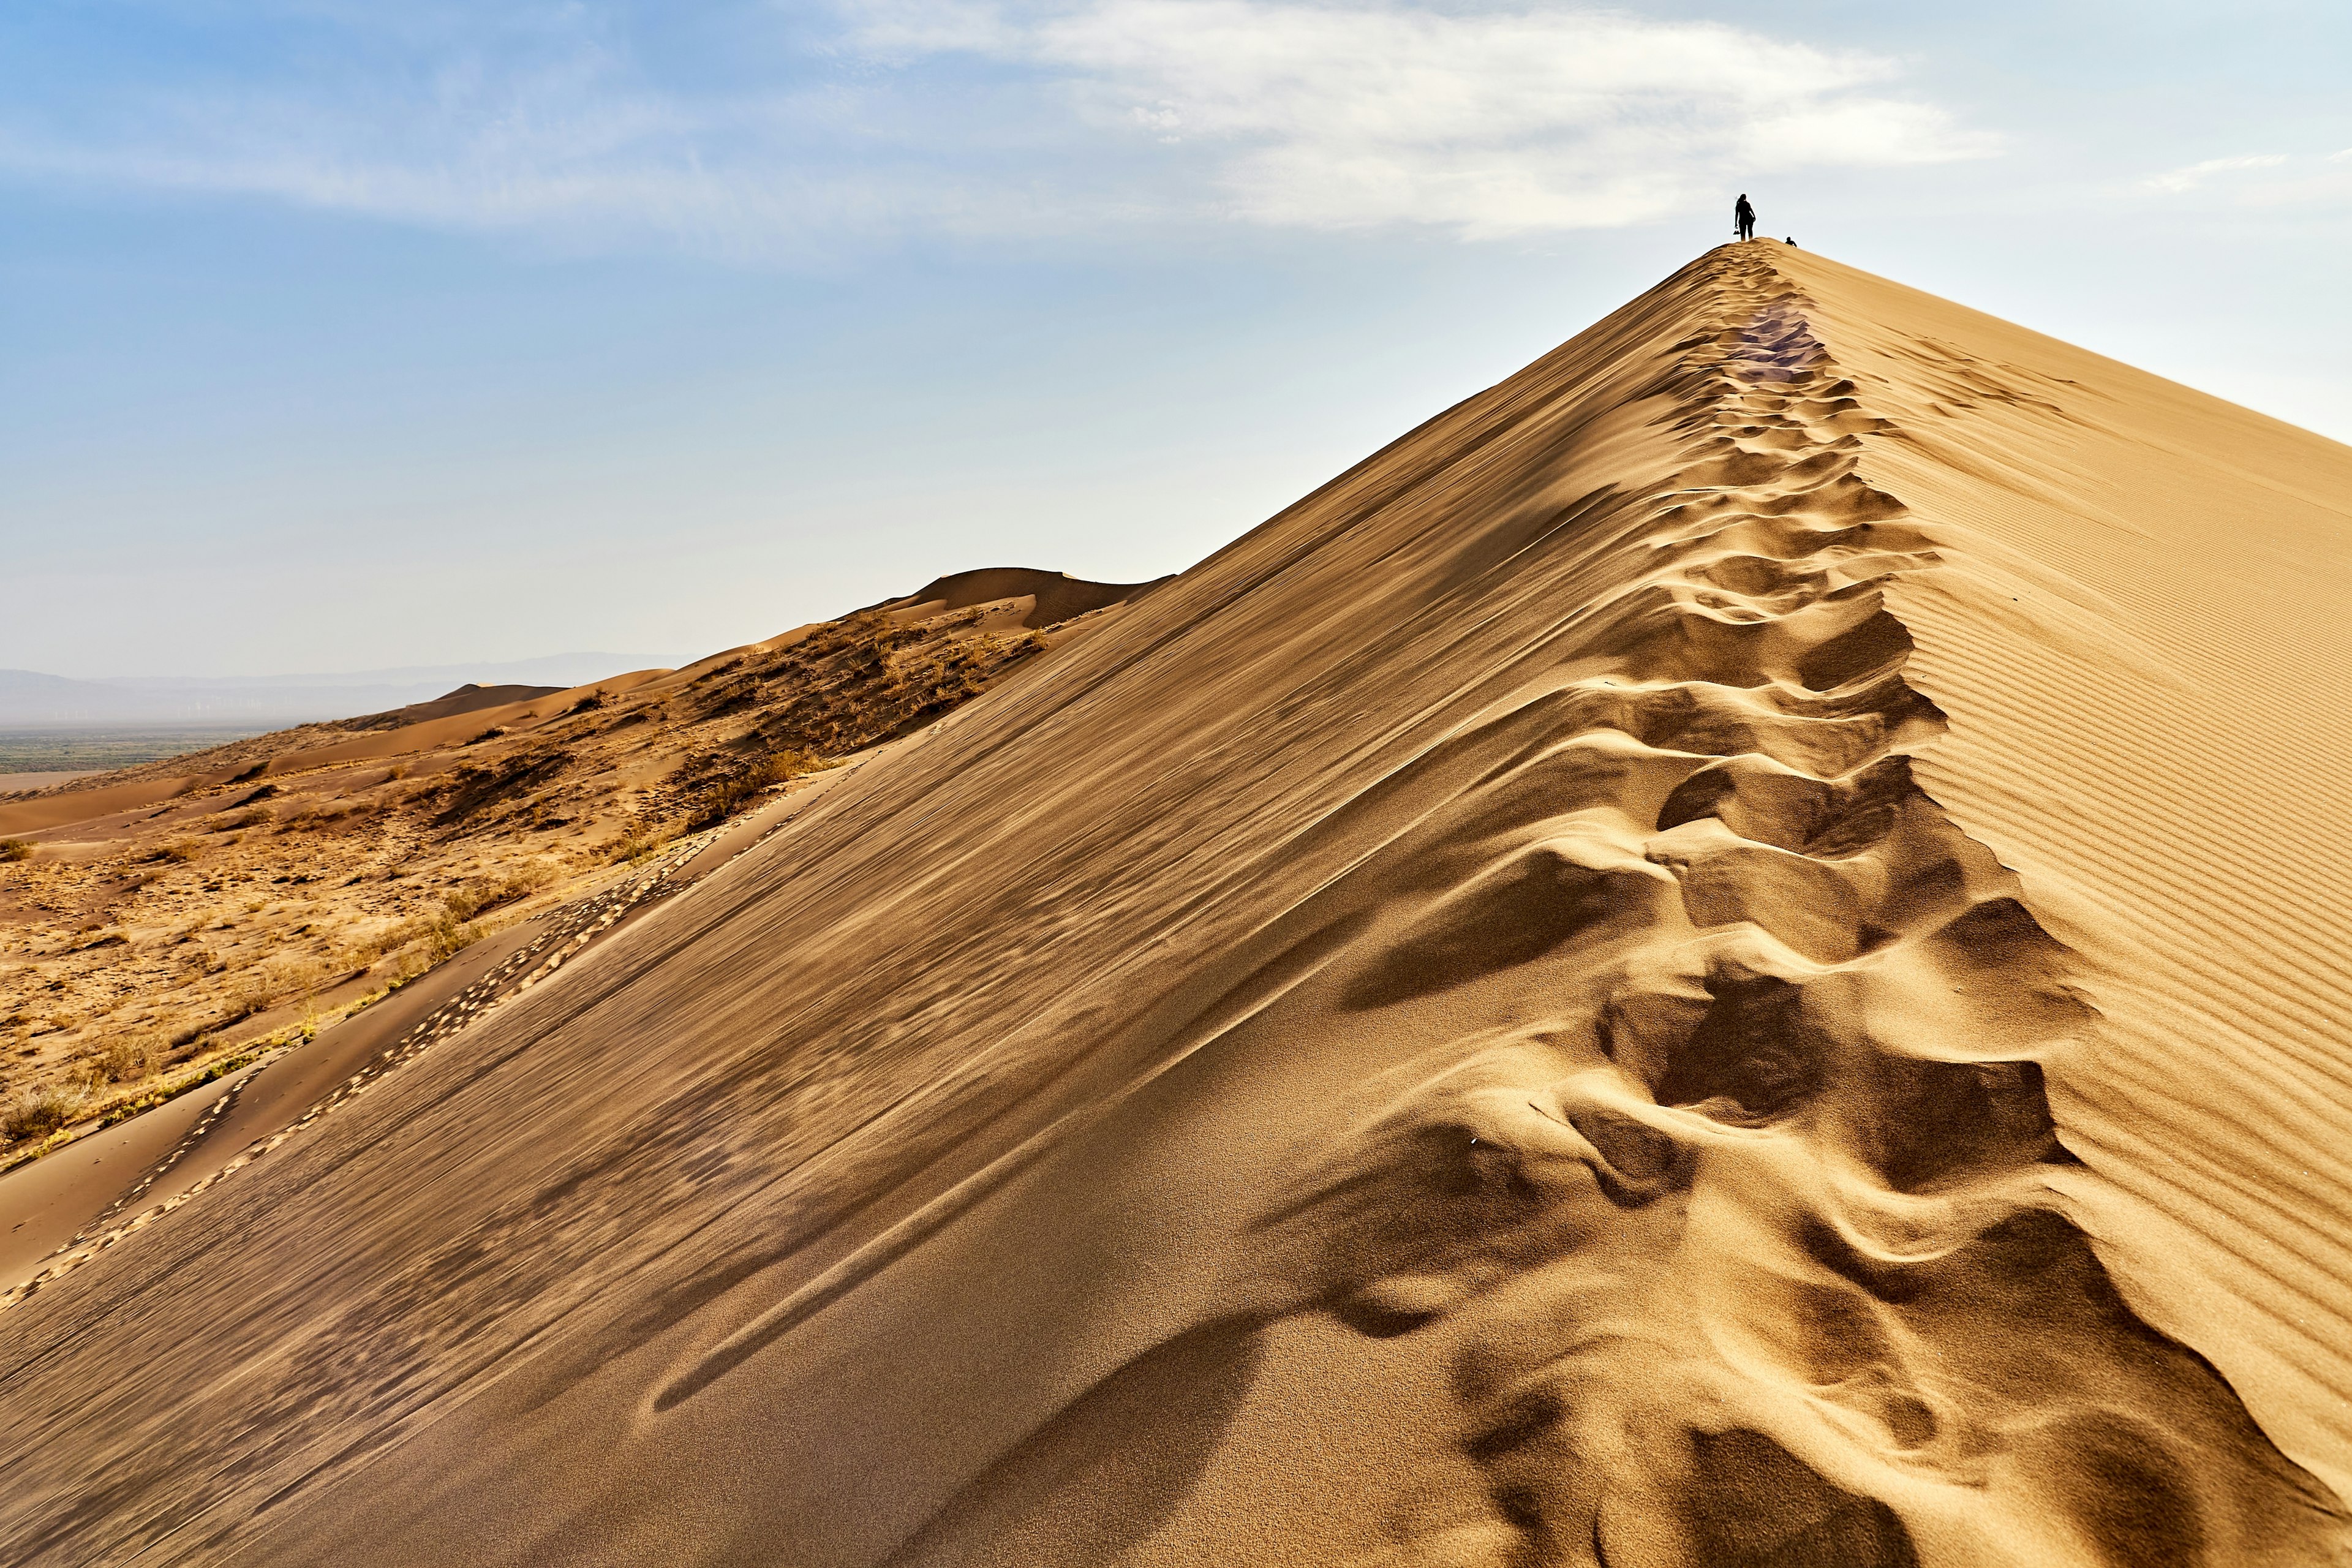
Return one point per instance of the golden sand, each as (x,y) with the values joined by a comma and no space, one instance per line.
(1731,953)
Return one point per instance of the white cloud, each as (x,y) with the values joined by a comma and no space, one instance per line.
(2190,175)
(1489,123)
(958,117)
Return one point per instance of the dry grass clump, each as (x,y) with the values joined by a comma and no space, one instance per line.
(450,930)
(263,986)
(14,849)
(447,934)
(39,1111)
(123,1058)
(458,924)
(639,844)
(716,803)
(251,994)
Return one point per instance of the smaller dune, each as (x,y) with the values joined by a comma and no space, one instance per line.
(468,699)
(1055,596)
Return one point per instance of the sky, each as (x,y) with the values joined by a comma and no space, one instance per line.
(336,336)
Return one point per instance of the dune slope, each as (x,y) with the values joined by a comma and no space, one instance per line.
(1713,958)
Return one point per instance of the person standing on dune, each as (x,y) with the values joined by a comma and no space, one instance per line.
(1743,218)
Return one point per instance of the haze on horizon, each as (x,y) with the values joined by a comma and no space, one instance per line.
(342,338)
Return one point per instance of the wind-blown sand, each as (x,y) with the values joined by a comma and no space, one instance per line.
(1731,953)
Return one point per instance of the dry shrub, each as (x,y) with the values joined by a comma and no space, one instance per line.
(37,1112)
(125,1058)
(290,975)
(638,846)
(265,985)
(451,929)
(374,944)
(447,934)
(722,800)
(455,926)
(251,994)
(14,849)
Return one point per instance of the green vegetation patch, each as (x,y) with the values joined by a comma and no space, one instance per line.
(74,750)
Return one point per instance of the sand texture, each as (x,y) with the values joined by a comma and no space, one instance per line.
(1731,955)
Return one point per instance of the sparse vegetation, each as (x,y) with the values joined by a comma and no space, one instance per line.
(124,1058)
(638,846)
(447,934)
(369,874)
(717,802)
(36,1112)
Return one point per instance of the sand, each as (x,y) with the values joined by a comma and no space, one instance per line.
(1728,955)
(10,784)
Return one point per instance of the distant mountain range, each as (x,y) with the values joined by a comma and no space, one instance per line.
(29,699)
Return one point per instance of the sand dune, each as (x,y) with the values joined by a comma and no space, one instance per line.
(1730,954)
(469,698)
(1042,598)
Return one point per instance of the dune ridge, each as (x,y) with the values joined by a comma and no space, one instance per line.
(1934,1331)
(1465,1029)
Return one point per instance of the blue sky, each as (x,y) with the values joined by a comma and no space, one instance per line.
(337,336)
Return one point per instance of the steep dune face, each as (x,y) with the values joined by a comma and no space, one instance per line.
(1469,1029)
(2143,640)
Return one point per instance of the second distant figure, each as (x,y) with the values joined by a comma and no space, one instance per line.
(1744,217)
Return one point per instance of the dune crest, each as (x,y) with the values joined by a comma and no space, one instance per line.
(1740,1247)
(1463,1030)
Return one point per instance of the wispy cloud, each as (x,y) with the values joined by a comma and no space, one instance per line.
(2190,175)
(1491,124)
(945,116)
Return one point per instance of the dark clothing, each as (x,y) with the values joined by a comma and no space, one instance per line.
(1744,217)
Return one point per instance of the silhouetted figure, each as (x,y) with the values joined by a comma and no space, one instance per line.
(1744,216)
(1791,240)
